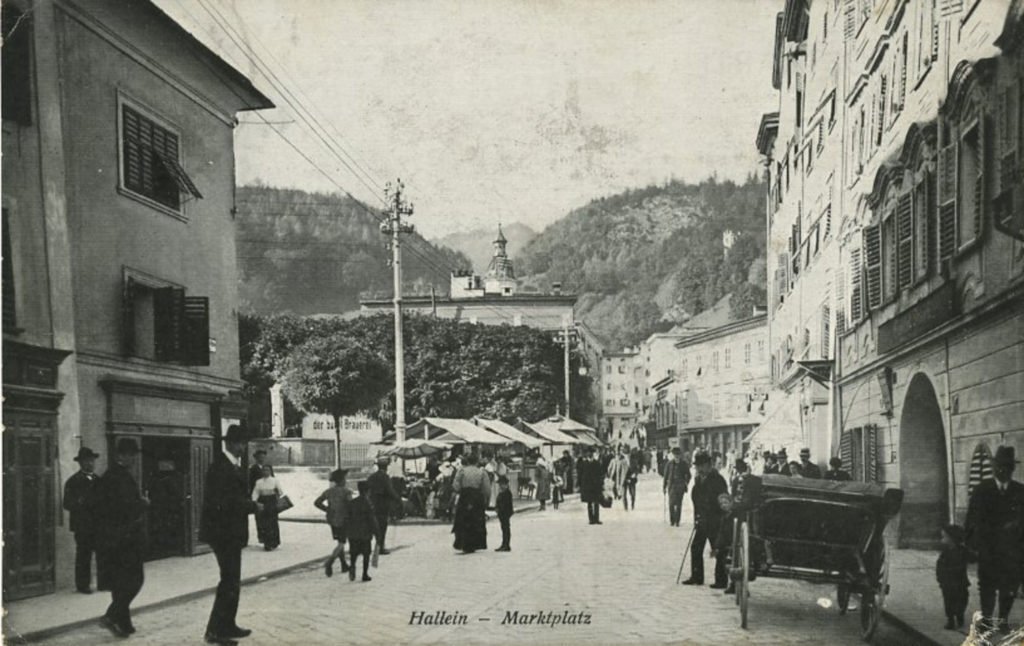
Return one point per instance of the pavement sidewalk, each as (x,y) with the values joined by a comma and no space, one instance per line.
(178,579)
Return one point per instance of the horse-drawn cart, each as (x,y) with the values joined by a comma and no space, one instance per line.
(814,530)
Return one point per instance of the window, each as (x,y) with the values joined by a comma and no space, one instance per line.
(161,323)
(728,357)
(873,266)
(608,386)
(624,401)
(904,241)
(924,241)
(685,370)
(16,75)
(714,360)
(856,287)
(622,370)
(971,185)
(760,350)
(609,402)
(608,370)
(746,354)
(150,161)
(9,297)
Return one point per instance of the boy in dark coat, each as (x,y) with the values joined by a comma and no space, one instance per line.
(360,527)
(505,511)
(951,572)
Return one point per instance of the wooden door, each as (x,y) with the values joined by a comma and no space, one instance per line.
(29,499)
(200,456)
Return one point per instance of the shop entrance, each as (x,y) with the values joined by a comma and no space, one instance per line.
(923,470)
(165,468)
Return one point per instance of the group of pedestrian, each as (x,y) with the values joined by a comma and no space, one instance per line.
(352,519)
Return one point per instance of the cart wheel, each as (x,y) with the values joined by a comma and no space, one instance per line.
(873,599)
(843,597)
(743,585)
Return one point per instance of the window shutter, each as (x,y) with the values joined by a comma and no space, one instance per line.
(828,218)
(880,122)
(924,226)
(840,302)
(947,202)
(850,19)
(905,241)
(196,338)
(826,336)
(856,288)
(846,448)
(1008,139)
(168,315)
(949,8)
(128,317)
(873,266)
(871,452)
(904,54)
(935,39)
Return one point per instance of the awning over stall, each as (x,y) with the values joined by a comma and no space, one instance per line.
(510,432)
(454,431)
(548,430)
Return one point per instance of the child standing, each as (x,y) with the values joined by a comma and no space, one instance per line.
(505,511)
(361,526)
(951,572)
(334,501)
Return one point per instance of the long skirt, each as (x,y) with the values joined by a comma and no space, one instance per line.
(267,530)
(469,526)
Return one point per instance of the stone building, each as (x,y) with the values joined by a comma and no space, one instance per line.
(926,271)
(119,284)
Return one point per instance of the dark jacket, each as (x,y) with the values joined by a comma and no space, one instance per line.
(361,521)
(119,512)
(810,470)
(837,474)
(995,528)
(951,568)
(226,505)
(381,492)
(705,498)
(255,473)
(78,493)
(591,477)
(503,505)
(677,474)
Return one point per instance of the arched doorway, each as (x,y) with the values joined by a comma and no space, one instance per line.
(923,471)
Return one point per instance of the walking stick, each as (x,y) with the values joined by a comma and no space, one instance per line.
(689,543)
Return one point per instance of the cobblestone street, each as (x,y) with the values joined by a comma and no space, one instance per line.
(621,574)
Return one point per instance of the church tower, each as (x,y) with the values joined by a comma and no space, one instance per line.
(501,277)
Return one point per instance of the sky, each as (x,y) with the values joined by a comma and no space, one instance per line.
(497,110)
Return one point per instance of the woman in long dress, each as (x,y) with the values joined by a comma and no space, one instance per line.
(266,492)
(543,478)
(473,487)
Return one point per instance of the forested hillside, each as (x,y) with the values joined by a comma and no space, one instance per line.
(646,259)
(314,252)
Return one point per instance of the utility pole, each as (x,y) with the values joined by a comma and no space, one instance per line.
(565,343)
(393,227)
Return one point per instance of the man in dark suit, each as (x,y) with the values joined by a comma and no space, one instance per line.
(78,493)
(808,469)
(835,470)
(120,515)
(591,477)
(707,516)
(225,526)
(382,496)
(995,528)
(676,481)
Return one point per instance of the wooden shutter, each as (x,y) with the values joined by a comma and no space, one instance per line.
(856,288)
(949,8)
(840,302)
(846,448)
(947,202)
(168,323)
(872,245)
(828,218)
(984,144)
(871,452)
(128,317)
(826,335)
(880,124)
(199,464)
(905,241)
(935,39)
(135,168)
(195,344)
(850,19)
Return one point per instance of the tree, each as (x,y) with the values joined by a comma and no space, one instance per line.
(336,376)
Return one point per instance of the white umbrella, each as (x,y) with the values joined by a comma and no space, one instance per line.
(413,448)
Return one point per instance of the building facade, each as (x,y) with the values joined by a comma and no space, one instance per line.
(119,267)
(622,383)
(927,267)
(721,385)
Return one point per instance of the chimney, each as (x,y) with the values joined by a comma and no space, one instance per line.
(760,309)
(556,288)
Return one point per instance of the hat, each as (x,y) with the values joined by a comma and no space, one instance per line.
(805,452)
(955,532)
(835,461)
(235,434)
(259,452)
(675,449)
(782,452)
(383,459)
(338,475)
(741,464)
(84,453)
(767,454)
(127,445)
(701,458)
(1005,455)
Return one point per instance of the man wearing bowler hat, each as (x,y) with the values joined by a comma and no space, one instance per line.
(78,496)
(708,486)
(382,496)
(995,529)
(225,526)
(120,514)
